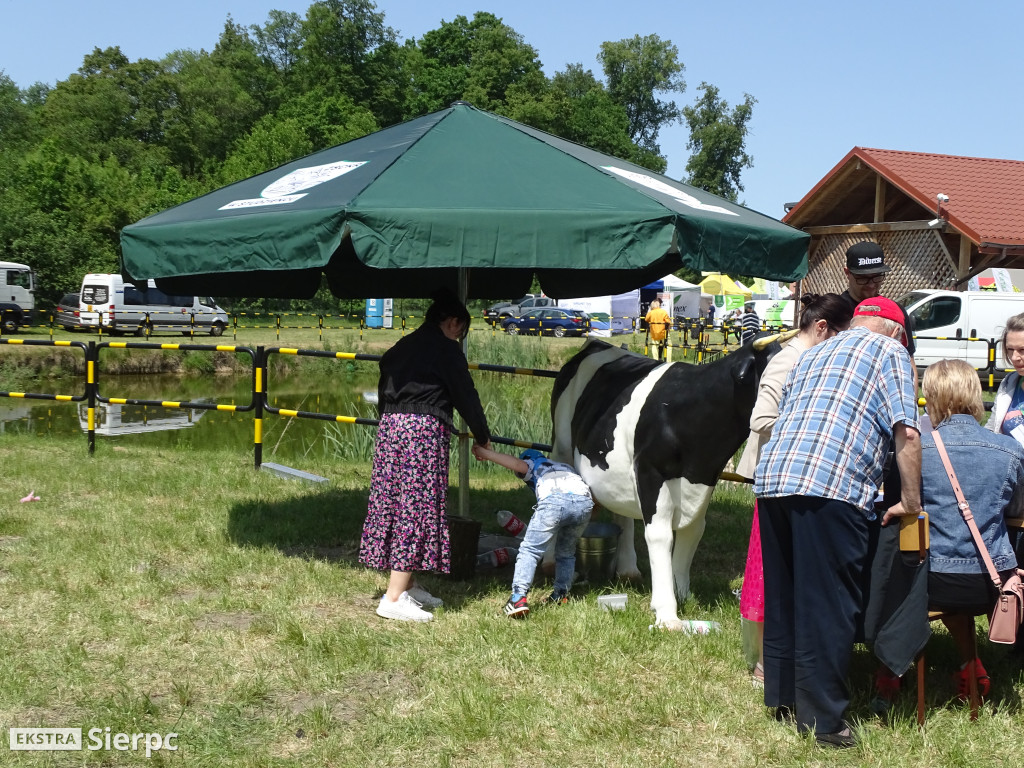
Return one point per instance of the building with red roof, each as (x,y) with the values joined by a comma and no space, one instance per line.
(941,219)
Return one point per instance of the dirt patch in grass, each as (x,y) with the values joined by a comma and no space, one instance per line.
(36,717)
(351,704)
(240,621)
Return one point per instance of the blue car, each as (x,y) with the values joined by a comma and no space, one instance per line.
(547,322)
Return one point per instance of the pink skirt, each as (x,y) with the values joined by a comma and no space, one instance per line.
(752,594)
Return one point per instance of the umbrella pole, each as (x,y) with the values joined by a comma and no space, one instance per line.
(463,441)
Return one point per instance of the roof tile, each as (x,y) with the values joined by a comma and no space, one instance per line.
(986,195)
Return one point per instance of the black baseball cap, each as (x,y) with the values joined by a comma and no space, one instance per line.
(866,258)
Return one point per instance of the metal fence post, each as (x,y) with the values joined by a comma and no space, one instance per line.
(91,360)
(258,400)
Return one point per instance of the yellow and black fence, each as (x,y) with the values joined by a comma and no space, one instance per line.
(86,396)
(259,403)
(987,371)
(195,324)
(254,404)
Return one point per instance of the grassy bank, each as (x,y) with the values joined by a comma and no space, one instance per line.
(163,591)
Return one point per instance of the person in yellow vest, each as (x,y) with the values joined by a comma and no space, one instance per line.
(658,322)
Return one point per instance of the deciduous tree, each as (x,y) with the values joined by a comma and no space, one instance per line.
(348,50)
(480,61)
(637,70)
(717,139)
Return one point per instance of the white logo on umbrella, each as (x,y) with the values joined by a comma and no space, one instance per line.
(306,178)
(659,186)
(283,190)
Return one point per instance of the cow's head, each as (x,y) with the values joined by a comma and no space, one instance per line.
(762,349)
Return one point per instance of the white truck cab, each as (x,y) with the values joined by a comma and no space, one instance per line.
(17,295)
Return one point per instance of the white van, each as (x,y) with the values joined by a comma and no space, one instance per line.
(957,317)
(17,293)
(120,307)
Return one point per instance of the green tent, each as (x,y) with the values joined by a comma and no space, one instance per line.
(459,192)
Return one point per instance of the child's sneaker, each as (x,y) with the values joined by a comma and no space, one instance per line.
(558,597)
(517,609)
(963,684)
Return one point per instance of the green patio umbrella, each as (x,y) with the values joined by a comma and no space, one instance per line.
(459,192)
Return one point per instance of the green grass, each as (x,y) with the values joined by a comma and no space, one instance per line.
(157,590)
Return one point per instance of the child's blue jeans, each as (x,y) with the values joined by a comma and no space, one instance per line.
(562,516)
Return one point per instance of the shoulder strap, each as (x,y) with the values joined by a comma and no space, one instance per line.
(965,510)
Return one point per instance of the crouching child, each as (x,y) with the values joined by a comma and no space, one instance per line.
(562,512)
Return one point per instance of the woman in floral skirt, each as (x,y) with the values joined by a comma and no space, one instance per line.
(422,379)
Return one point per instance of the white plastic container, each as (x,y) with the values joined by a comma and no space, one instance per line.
(695,627)
(751,632)
(698,627)
(616,602)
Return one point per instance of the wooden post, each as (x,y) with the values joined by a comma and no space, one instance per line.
(964,264)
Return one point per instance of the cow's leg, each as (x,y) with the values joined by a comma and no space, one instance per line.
(686,541)
(658,534)
(625,551)
(690,504)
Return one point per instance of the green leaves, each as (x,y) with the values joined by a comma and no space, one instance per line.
(637,70)
(717,138)
(121,139)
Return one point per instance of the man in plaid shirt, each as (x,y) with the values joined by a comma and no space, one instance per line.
(842,405)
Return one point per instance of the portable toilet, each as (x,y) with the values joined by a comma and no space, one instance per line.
(375,313)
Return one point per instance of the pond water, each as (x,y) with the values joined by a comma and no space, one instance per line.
(516,408)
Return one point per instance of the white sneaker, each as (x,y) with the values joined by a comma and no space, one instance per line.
(403,609)
(424,598)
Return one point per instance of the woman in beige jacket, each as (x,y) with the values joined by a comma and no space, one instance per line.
(821,317)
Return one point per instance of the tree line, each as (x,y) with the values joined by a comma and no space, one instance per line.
(119,140)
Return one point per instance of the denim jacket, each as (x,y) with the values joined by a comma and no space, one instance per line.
(990,469)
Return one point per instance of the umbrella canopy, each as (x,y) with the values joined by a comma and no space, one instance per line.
(407,209)
(719,285)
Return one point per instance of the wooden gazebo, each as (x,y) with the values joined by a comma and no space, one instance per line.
(939,218)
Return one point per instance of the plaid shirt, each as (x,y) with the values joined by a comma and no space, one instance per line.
(839,405)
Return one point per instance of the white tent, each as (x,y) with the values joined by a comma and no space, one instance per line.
(621,308)
(684,297)
(673,283)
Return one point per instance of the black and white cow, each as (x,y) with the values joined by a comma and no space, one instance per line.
(650,439)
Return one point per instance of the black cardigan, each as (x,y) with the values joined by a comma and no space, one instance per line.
(426,372)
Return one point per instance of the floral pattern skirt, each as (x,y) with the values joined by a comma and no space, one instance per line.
(406,527)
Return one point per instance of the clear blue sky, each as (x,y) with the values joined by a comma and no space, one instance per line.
(914,75)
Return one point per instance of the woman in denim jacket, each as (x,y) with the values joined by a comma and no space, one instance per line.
(990,470)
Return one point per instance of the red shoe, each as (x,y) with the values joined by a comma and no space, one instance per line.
(963,683)
(887,685)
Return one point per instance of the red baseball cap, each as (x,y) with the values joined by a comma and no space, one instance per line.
(879,306)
